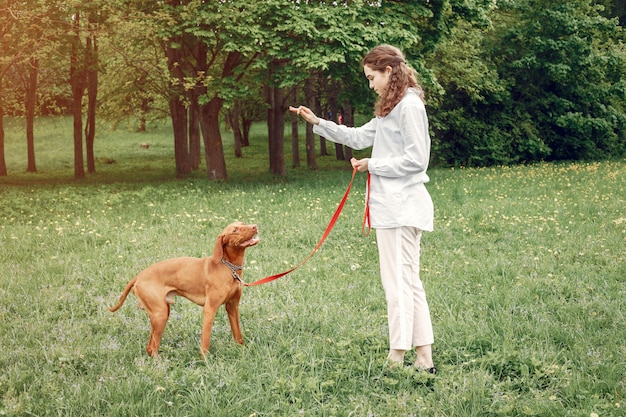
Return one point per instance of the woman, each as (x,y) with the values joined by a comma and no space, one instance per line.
(399,204)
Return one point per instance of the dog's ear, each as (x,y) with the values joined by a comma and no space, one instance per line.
(218,251)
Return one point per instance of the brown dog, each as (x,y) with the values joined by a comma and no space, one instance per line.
(209,282)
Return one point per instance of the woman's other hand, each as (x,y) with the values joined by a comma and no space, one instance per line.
(361,165)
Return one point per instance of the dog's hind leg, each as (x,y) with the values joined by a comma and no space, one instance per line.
(158,320)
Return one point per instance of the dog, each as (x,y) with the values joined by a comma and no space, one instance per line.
(208,282)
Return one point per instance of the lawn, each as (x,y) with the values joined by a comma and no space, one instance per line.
(525,274)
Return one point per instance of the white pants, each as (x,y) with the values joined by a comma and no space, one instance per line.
(407,308)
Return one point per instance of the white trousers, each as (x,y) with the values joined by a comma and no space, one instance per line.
(407,309)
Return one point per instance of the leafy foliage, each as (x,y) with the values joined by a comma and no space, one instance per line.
(543,82)
(565,69)
(507,81)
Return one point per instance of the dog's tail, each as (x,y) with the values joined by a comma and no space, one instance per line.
(129,286)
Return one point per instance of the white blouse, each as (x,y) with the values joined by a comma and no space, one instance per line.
(400,153)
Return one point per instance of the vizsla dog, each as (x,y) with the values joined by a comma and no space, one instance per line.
(208,282)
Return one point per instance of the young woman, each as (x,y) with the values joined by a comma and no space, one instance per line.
(399,204)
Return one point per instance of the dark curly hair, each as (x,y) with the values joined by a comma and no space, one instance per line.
(402,76)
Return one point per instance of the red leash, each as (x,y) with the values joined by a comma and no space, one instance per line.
(324,236)
(366,213)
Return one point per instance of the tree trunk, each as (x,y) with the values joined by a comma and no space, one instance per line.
(348,120)
(309,98)
(213,148)
(91,61)
(233,116)
(195,147)
(246,124)
(210,126)
(31,97)
(77,107)
(144,107)
(269,100)
(295,151)
(200,55)
(77,84)
(178,111)
(144,112)
(318,110)
(276,130)
(3,165)
(334,111)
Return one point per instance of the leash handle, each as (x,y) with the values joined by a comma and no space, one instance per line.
(319,244)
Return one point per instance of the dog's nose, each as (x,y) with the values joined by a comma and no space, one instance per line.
(254,228)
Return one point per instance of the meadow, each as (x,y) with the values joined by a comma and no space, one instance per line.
(525,274)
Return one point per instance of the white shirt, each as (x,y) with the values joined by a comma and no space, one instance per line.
(400,155)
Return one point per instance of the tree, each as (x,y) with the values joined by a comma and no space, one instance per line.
(15,50)
(9,55)
(466,99)
(566,75)
(309,100)
(26,29)
(225,31)
(134,82)
(508,81)
(612,9)
(3,164)
(542,81)
(177,104)
(295,148)
(77,32)
(78,81)
(301,39)
(31,98)
(330,39)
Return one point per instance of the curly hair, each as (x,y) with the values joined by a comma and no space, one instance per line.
(402,76)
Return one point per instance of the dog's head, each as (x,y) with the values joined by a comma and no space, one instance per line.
(235,238)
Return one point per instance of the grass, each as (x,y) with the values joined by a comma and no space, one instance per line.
(525,275)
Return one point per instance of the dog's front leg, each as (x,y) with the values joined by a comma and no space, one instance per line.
(210,308)
(232,308)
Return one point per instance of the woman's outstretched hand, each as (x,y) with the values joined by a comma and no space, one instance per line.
(306,114)
(361,165)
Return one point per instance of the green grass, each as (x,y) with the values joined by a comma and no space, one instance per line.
(525,275)
(121,158)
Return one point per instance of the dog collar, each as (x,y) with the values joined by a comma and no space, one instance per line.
(233,269)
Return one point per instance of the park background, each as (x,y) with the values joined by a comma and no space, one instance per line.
(506,81)
(524,271)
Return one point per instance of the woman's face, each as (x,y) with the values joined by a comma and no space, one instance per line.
(378,79)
